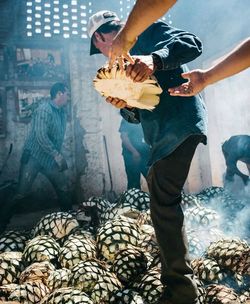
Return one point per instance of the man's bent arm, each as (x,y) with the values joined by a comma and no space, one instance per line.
(144,13)
(236,61)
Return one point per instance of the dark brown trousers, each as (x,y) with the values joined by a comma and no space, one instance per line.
(165,180)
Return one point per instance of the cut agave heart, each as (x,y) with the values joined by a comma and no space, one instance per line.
(114,82)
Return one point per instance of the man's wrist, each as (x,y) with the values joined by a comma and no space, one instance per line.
(55,154)
(158,64)
(207,77)
(128,37)
(58,157)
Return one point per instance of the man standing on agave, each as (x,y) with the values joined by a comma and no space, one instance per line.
(173,130)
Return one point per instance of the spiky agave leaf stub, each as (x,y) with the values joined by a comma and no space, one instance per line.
(10,267)
(56,225)
(12,241)
(114,83)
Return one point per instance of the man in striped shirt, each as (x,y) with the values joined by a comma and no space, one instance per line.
(42,151)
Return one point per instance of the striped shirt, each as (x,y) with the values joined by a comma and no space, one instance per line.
(47,132)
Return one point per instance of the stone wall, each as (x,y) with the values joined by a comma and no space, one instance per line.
(16,134)
(90,119)
(93,119)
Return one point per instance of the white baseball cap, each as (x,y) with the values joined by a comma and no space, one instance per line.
(97,20)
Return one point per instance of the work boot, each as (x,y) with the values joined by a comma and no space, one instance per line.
(2,228)
(164,301)
(7,210)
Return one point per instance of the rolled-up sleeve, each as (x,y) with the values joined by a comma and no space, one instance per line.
(173,46)
(130,115)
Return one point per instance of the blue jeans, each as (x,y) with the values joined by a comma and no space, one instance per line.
(28,173)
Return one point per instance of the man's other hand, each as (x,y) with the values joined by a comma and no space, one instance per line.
(142,68)
(196,83)
(61,162)
(120,50)
(136,156)
(116,102)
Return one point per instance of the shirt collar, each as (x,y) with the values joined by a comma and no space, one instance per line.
(55,105)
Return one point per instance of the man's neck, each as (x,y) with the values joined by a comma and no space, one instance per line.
(55,104)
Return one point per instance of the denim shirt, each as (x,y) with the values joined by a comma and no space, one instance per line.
(174,119)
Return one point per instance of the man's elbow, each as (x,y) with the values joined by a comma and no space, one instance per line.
(246,52)
(195,49)
(169,2)
(247,42)
(199,51)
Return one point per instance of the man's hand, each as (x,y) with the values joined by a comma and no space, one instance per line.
(120,50)
(195,84)
(61,162)
(141,69)
(136,156)
(117,102)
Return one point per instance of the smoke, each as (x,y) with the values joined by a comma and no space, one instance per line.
(219,213)
(234,212)
(218,23)
(242,224)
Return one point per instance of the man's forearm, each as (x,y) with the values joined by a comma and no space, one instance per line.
(233,63)
(144,13)
(127,143)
